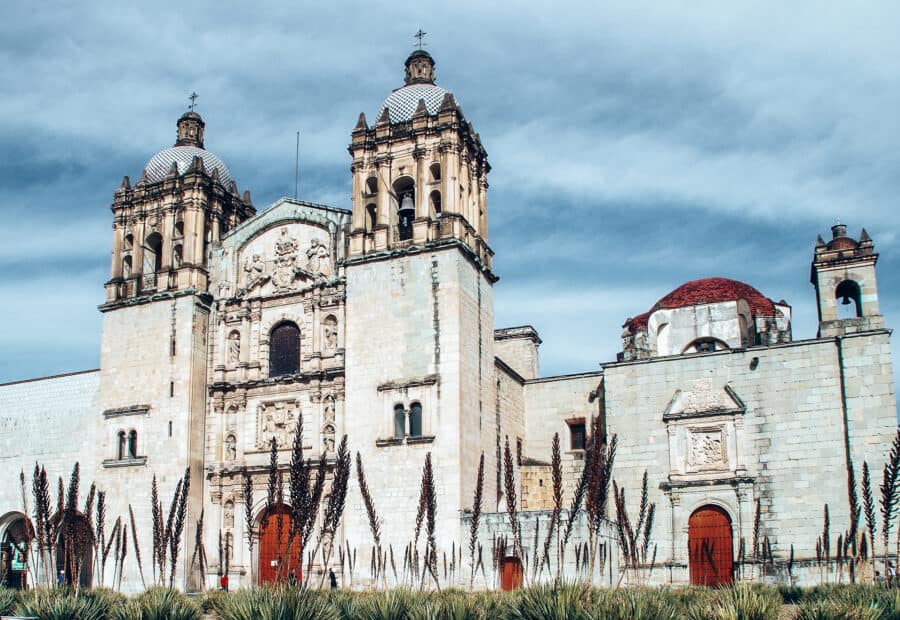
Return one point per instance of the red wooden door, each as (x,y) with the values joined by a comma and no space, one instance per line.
(510,574)
(710,547)
(276,560)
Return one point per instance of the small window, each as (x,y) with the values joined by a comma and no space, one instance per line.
(577,436)
(371,186)
(435,170)
(371,216)
(415,420)
(435,200)
(122,447)
(284,350)
(399,422)
(132,445)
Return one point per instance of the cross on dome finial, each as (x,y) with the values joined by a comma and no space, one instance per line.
(420,36)
(193,99)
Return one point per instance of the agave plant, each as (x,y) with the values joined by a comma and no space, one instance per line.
(739,602)
(7,600)
(277,603)
(62,604)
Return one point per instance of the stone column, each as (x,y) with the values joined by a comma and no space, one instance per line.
(118,237)
(421,183)
(168,231)
(382,171)
(358,221)
(449,179)
(482,205)
(137,259)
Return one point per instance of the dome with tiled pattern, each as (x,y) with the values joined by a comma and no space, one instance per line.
(159,165)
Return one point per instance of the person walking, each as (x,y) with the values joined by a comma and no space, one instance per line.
(332,578)
(223,582)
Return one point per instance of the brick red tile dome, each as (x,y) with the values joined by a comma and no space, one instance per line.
(707,291)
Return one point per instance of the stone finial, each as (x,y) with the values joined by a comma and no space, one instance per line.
(419,68)
(448,104)
(215,175)
(361,124)
(864,236)
(190,130)
(173,171)
(233,188)
(246,197)
(126,183)
(197,164)
(143,179)
(820,242)
(385,117)
(421,109)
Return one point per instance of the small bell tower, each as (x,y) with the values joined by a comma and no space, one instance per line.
(843,272)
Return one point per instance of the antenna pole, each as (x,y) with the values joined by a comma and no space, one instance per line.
(297,169)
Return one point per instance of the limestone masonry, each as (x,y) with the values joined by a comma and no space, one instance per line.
(224,327)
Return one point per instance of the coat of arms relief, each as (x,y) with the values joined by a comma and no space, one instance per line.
(277,419)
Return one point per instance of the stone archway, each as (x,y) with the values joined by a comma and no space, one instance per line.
(14,551)
(277,559)
(710,547)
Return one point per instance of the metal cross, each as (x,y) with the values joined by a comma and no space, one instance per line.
(420,35)
(193,99)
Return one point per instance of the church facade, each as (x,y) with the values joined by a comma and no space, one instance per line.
(223,328)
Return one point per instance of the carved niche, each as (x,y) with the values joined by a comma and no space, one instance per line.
(277,419)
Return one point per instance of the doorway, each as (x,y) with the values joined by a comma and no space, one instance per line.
(710,547)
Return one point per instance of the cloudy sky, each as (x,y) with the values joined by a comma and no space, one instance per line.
(634,145)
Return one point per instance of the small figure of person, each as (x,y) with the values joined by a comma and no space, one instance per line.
(292,579)
(223,582)
(61,578)
(332,579)
(891,574)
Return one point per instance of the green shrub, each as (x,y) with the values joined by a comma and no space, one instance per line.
(834,610)
(276,603)
(62,604)
(7,600)
(739,602)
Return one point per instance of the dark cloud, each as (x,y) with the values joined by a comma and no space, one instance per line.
(634,145)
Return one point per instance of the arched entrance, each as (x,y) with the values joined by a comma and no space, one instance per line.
(14,553)
(276,559)
(75,549)
(510,573)
(710,547)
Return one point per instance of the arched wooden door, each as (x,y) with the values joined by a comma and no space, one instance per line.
(710,547)
(510,573)
(276,560)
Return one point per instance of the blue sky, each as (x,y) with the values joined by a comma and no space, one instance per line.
(634,145)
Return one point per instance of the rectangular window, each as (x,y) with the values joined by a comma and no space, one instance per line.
(577,436)
(519,451)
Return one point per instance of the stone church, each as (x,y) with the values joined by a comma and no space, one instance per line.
(224,326)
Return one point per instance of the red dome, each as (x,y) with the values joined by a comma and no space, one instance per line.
(842,243)
(708,291)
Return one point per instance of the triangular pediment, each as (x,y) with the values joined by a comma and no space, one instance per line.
(703,397)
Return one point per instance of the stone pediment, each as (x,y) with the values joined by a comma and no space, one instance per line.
(704,398)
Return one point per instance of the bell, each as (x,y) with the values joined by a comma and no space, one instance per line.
(406,204)
(846,301)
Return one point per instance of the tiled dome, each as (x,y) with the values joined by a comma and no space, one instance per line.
(402,103)
(158,166)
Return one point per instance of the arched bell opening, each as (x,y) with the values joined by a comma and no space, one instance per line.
(405,197)
(153,253)
(849,300)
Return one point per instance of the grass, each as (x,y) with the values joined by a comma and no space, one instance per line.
(568,602)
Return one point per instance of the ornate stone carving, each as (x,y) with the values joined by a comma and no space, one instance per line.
(228,513)
(318,258)
(328,438)
(230,448)
(329,334)
(279,420)
(286,255)
(328,413)
(255,268)
(707,448)
(234,347)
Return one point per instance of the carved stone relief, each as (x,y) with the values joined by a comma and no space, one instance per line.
(318,258)
(234,347)
(279,420)
(229,513)
(328,410)
(707,448)
(328,438)
(230,448)
(330,333)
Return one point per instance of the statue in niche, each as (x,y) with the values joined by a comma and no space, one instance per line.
(229,513)
(329,409)
(286,255)
(176,257)
(255,269)
(328,438)
(230,448)
(317,257)
(329,333)
(234,347)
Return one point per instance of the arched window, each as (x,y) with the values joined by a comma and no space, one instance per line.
(705,345)
(435,200)
(435,170)
(371,186)
(153,253)
(371,216)
(405,192)
(284,350)
(128,244)
(850,306)
(120,450)
(132,445)
(399,422)
(179,230)
(415,420)
(126,267)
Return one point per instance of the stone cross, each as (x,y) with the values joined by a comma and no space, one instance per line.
(420,35)
(193,99)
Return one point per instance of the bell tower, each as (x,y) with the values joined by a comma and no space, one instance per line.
(419,337)
(843,272)
(420,172)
